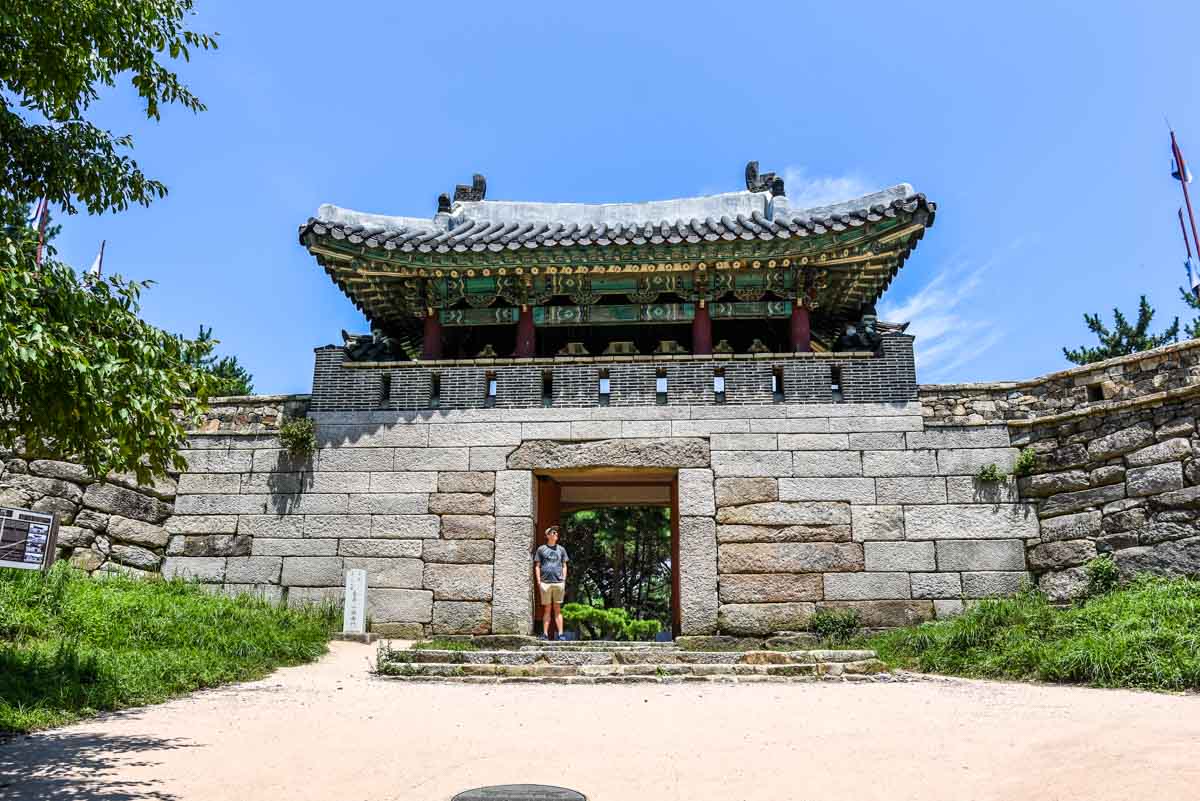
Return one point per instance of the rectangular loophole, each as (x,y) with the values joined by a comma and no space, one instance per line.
(489,398)
(777,384)
(547,387)
(835,383)
(1095,392)
(660,386)
(604,389)
(719,385)
(435,390)
(385,390)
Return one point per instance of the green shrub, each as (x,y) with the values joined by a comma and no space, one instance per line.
(835,626)
(991,473)
(1145,634)
(599,623)
(299,437)
(72,646)
(1026,462)
(1102,575)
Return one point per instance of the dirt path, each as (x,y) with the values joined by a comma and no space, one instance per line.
(330,732)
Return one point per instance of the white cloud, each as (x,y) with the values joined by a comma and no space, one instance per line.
(947,335)
(805,191)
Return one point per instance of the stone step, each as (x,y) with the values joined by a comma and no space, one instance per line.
(622,656)
(857,670)
(690,679)
(596,645)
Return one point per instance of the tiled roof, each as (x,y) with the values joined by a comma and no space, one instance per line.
(486,225)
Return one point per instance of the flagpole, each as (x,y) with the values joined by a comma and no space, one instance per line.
(100,266)
(1193,279)
(1186,244)
(1183,182)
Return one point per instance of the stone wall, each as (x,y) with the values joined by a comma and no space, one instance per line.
(1119,478)
(785,508)
(749,379)
(107,525)
(114,524)
(1136,376)
(251,413)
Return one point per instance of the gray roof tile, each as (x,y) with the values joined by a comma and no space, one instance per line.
(497,225)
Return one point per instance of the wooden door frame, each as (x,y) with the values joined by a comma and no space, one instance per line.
(549,513)
(676,608)
(548,508)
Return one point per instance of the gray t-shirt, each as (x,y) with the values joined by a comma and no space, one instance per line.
(552,561)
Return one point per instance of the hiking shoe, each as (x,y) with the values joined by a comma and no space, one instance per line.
(562,638)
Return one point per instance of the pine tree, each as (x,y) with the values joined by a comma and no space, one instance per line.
(1124,338)
(1192,329)
(232,378)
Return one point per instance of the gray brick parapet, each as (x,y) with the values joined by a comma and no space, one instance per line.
(749,380)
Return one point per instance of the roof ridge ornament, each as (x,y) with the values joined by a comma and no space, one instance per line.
(474,192)
(766,182)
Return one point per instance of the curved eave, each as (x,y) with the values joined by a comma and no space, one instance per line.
(859,252)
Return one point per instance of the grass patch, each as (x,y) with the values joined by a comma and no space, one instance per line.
(1145,635)
(835,627)
(72,646)
(444,645)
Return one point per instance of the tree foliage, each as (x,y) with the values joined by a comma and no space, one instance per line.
(231,377)
(55,56)
(81,375)
(1191,330)
(1124,338)
(621,559)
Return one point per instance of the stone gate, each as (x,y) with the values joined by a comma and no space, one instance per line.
(730,341)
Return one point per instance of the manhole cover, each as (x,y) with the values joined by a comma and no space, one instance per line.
(520,792)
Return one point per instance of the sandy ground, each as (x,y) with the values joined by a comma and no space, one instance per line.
(331,731)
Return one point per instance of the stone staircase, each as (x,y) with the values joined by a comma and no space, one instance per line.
(624,662)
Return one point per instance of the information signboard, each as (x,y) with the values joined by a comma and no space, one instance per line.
(27,538)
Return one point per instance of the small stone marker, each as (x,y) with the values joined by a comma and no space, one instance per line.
(354,618)
(520,792)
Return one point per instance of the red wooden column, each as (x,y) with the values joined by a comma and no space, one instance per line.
(431,339)
(702,330)
(801,332)
(526,339)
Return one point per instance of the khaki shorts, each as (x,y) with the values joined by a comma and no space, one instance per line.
(552,593)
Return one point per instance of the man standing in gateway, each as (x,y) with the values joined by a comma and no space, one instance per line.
(550,567)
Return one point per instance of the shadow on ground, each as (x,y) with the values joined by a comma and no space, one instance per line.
(79,765)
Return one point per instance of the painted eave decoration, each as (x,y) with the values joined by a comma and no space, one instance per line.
(748,253)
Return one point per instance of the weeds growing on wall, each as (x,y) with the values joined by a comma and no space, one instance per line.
(1026,461)
(72,646)
(991,473)
(299,437)
(1145,634)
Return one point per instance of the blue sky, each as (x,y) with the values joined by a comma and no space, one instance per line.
(1038,127)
